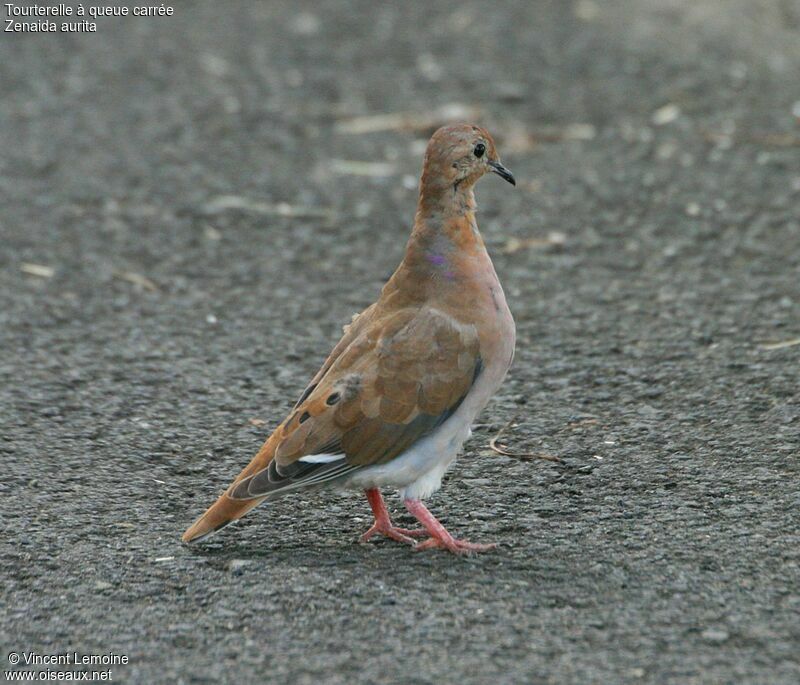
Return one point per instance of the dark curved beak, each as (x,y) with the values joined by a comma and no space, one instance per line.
(502,172)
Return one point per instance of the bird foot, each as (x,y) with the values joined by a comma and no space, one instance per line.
(439,537)
(383,524)
(389,530)
(459,547)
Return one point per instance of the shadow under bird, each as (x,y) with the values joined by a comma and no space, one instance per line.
(393,403)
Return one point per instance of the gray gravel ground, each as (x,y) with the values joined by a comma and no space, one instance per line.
(666,546)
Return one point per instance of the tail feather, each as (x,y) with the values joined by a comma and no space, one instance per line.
(226,510)
(222,513)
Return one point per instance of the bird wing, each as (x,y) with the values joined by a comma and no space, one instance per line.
(395,380)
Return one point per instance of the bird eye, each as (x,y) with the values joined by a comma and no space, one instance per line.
(480,148)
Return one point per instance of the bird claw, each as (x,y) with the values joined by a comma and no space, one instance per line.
(393,532)
(459,547)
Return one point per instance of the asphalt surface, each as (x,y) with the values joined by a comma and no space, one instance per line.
(650,256)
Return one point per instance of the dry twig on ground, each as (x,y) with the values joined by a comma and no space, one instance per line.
(495,445)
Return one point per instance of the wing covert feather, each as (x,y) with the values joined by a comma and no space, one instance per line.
(388,383)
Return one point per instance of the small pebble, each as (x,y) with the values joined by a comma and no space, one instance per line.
(715,635)
(236,566)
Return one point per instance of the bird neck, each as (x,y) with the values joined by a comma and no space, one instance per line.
(445,252)
(444,225)
(439,198)
(440,236)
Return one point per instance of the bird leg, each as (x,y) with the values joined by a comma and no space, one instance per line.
(439,537)
(383,524)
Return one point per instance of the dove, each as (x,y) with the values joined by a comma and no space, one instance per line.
(395,400)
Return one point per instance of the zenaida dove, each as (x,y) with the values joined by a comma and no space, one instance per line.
(393,403)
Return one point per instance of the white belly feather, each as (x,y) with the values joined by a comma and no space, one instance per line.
(417,473)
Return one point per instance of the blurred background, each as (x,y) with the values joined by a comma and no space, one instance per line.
(193,205)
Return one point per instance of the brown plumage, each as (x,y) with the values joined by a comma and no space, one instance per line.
(393,402)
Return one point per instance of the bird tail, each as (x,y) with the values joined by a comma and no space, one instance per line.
(226,509)
(223,512)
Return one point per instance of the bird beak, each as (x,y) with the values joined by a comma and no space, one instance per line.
(502,172)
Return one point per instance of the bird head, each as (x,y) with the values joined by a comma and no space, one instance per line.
(459,155)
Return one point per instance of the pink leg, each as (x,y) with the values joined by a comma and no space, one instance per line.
(383,524)
(440,538)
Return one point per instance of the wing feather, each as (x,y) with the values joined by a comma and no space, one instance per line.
(394,381)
